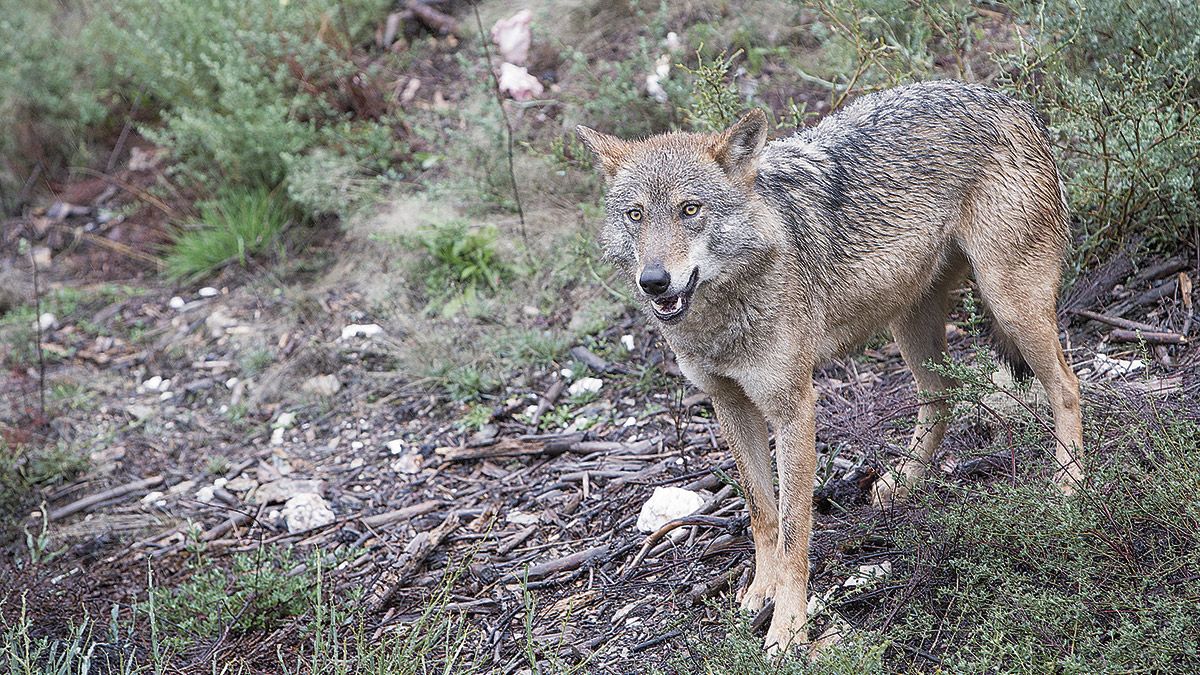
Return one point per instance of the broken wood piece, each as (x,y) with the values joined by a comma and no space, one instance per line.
(120,491)
(564,564)
(432,18)
(1114,320)
(1150,337)
(591,360)
(414,556)
(547,400)
(381,519)
(730,524)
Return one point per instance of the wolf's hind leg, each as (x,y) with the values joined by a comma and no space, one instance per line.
(1028,319)
(921,335)
(745,429)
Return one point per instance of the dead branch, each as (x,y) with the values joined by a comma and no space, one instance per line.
(1151,337)
(414,556)
(121,490)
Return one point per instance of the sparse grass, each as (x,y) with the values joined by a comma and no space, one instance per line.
(459,262)
(235,227)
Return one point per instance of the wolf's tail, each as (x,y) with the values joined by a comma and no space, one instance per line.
(1010,355)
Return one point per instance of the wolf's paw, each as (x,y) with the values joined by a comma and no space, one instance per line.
(753,597)
(787,625)
(891,489)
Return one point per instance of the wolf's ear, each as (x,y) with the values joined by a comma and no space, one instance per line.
(610,151)
(736,149)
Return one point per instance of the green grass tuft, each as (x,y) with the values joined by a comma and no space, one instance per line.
(233,228)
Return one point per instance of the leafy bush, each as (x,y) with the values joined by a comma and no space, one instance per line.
(461,260)
(240,84)
(1118,81)
(257,593)
(235,226)
(47,98)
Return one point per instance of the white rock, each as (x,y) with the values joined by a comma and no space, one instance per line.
(208,292)
(177,302)
(218,322)
(166,396)
(673,42)
(306,511)
(151,384)
(322,385)
(513,36)
(521,518)
(665,505)
(283,489)
(241,484)
(205,494)
(277,436)
(630,422)
(407,463)
(566,373)
(395,446)
(361,330)
(356,463)
(284,421)
(47,321)
(220,482)
(589,385)
(153,498)
(868,574)
(518,83)
(627,342)
(1107,367)
(357,445)
(231,382)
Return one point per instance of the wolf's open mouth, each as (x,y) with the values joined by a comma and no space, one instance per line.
(670,308)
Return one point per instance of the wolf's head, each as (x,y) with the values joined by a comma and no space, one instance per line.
(679,209)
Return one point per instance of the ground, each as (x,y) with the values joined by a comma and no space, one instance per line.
(485,452)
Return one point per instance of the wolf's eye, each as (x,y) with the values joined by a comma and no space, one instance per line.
(690,209)
(634,214)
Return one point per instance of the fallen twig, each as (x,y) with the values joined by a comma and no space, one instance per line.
(91,500)
(1151,337)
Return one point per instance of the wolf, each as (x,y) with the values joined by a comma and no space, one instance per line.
(759,261)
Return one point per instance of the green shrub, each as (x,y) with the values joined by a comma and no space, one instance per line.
(256,593)
(48,100)
(240,224)
(461,260)
(240,85)
(1118,81)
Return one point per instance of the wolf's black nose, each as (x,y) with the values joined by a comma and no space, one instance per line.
(654,279)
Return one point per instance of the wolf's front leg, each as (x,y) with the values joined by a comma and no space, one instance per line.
(795,448)
(745,429)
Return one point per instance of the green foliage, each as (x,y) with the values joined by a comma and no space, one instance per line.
(461,260)
(240,85)
(1118,81)
(715,102)
(256,593)
(239,224)
(75,653)
(47,98)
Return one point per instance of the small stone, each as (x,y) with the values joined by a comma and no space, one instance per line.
(166,395)
(47,321)
(182,487)
(356,463)
(868,574)
(396,446)
(277,436)
(566,373)
(153,497)
(139,411)
(176,302)
(665,505)
(588,385)
(520,518)
(627,342)
(205,494)
(283,489)
(231,382)
(241,484)
(306,511)
(151,384)
(407,463)
(284,421)
(322,385)
(356,445)
(361,330)
(208,292)
(42,256)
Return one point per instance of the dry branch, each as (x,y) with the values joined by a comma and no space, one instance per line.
(92,500)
